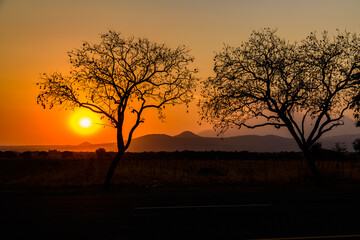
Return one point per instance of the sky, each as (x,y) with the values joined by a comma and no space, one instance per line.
(36,35)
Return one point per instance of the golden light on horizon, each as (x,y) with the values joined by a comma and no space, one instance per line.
(85,122)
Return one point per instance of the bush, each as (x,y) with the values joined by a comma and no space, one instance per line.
(26,155)
(356,145)
(10,155)
(67,154)
(317,148)
(340,148)
(100,153)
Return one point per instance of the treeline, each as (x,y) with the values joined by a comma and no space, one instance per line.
(102,154)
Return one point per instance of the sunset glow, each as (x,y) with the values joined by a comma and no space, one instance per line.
(35,39)
(85,122)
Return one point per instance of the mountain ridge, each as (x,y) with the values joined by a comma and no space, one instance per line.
(189,141)
(347,128)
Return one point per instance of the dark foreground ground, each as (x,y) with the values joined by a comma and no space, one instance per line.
(210,212)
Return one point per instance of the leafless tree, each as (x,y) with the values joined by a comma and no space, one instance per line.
(120,77)
(272,79)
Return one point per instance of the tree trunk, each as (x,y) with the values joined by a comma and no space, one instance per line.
(111,170)
(318,178)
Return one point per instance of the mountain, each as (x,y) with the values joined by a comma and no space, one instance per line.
(192,142)
(347,129)
(254,143)
(186,134)
(329,142)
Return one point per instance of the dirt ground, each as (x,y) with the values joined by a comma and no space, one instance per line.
(182,212)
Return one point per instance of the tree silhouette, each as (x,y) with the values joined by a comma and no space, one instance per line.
(120,77)
(272,79)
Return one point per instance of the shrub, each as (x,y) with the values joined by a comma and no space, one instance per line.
(356,145)
(100,153)
(67,154)
(26,155)
(340,148)
(316,148)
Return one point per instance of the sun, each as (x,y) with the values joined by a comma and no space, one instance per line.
(85,122)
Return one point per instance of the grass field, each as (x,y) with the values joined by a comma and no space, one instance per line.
(155,169)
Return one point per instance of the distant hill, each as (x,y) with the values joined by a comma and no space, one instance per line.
(347,129)
(192,142)
(329,142)
(187,134)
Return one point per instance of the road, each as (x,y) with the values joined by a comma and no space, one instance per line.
(185,213)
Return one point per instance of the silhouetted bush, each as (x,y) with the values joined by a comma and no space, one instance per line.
(316,148)
(43,154)
(356,144)
(340,148)
(101,153)
(26,155)
(67,155)
(338,152)
(10,155)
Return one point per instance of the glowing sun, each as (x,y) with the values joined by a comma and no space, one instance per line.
(85,122)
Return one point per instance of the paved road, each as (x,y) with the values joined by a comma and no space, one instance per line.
(181,214)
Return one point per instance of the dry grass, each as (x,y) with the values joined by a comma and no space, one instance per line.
(84,169)
(158,169)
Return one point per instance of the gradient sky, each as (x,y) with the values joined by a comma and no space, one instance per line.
(35,36)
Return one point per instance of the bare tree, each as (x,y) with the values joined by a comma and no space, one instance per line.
(272,79)
(120,77)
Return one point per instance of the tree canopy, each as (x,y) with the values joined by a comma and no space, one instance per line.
(121,76)
(272,79)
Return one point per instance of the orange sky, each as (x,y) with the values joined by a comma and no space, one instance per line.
(35,36)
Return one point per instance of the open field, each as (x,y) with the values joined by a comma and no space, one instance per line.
(178,168)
